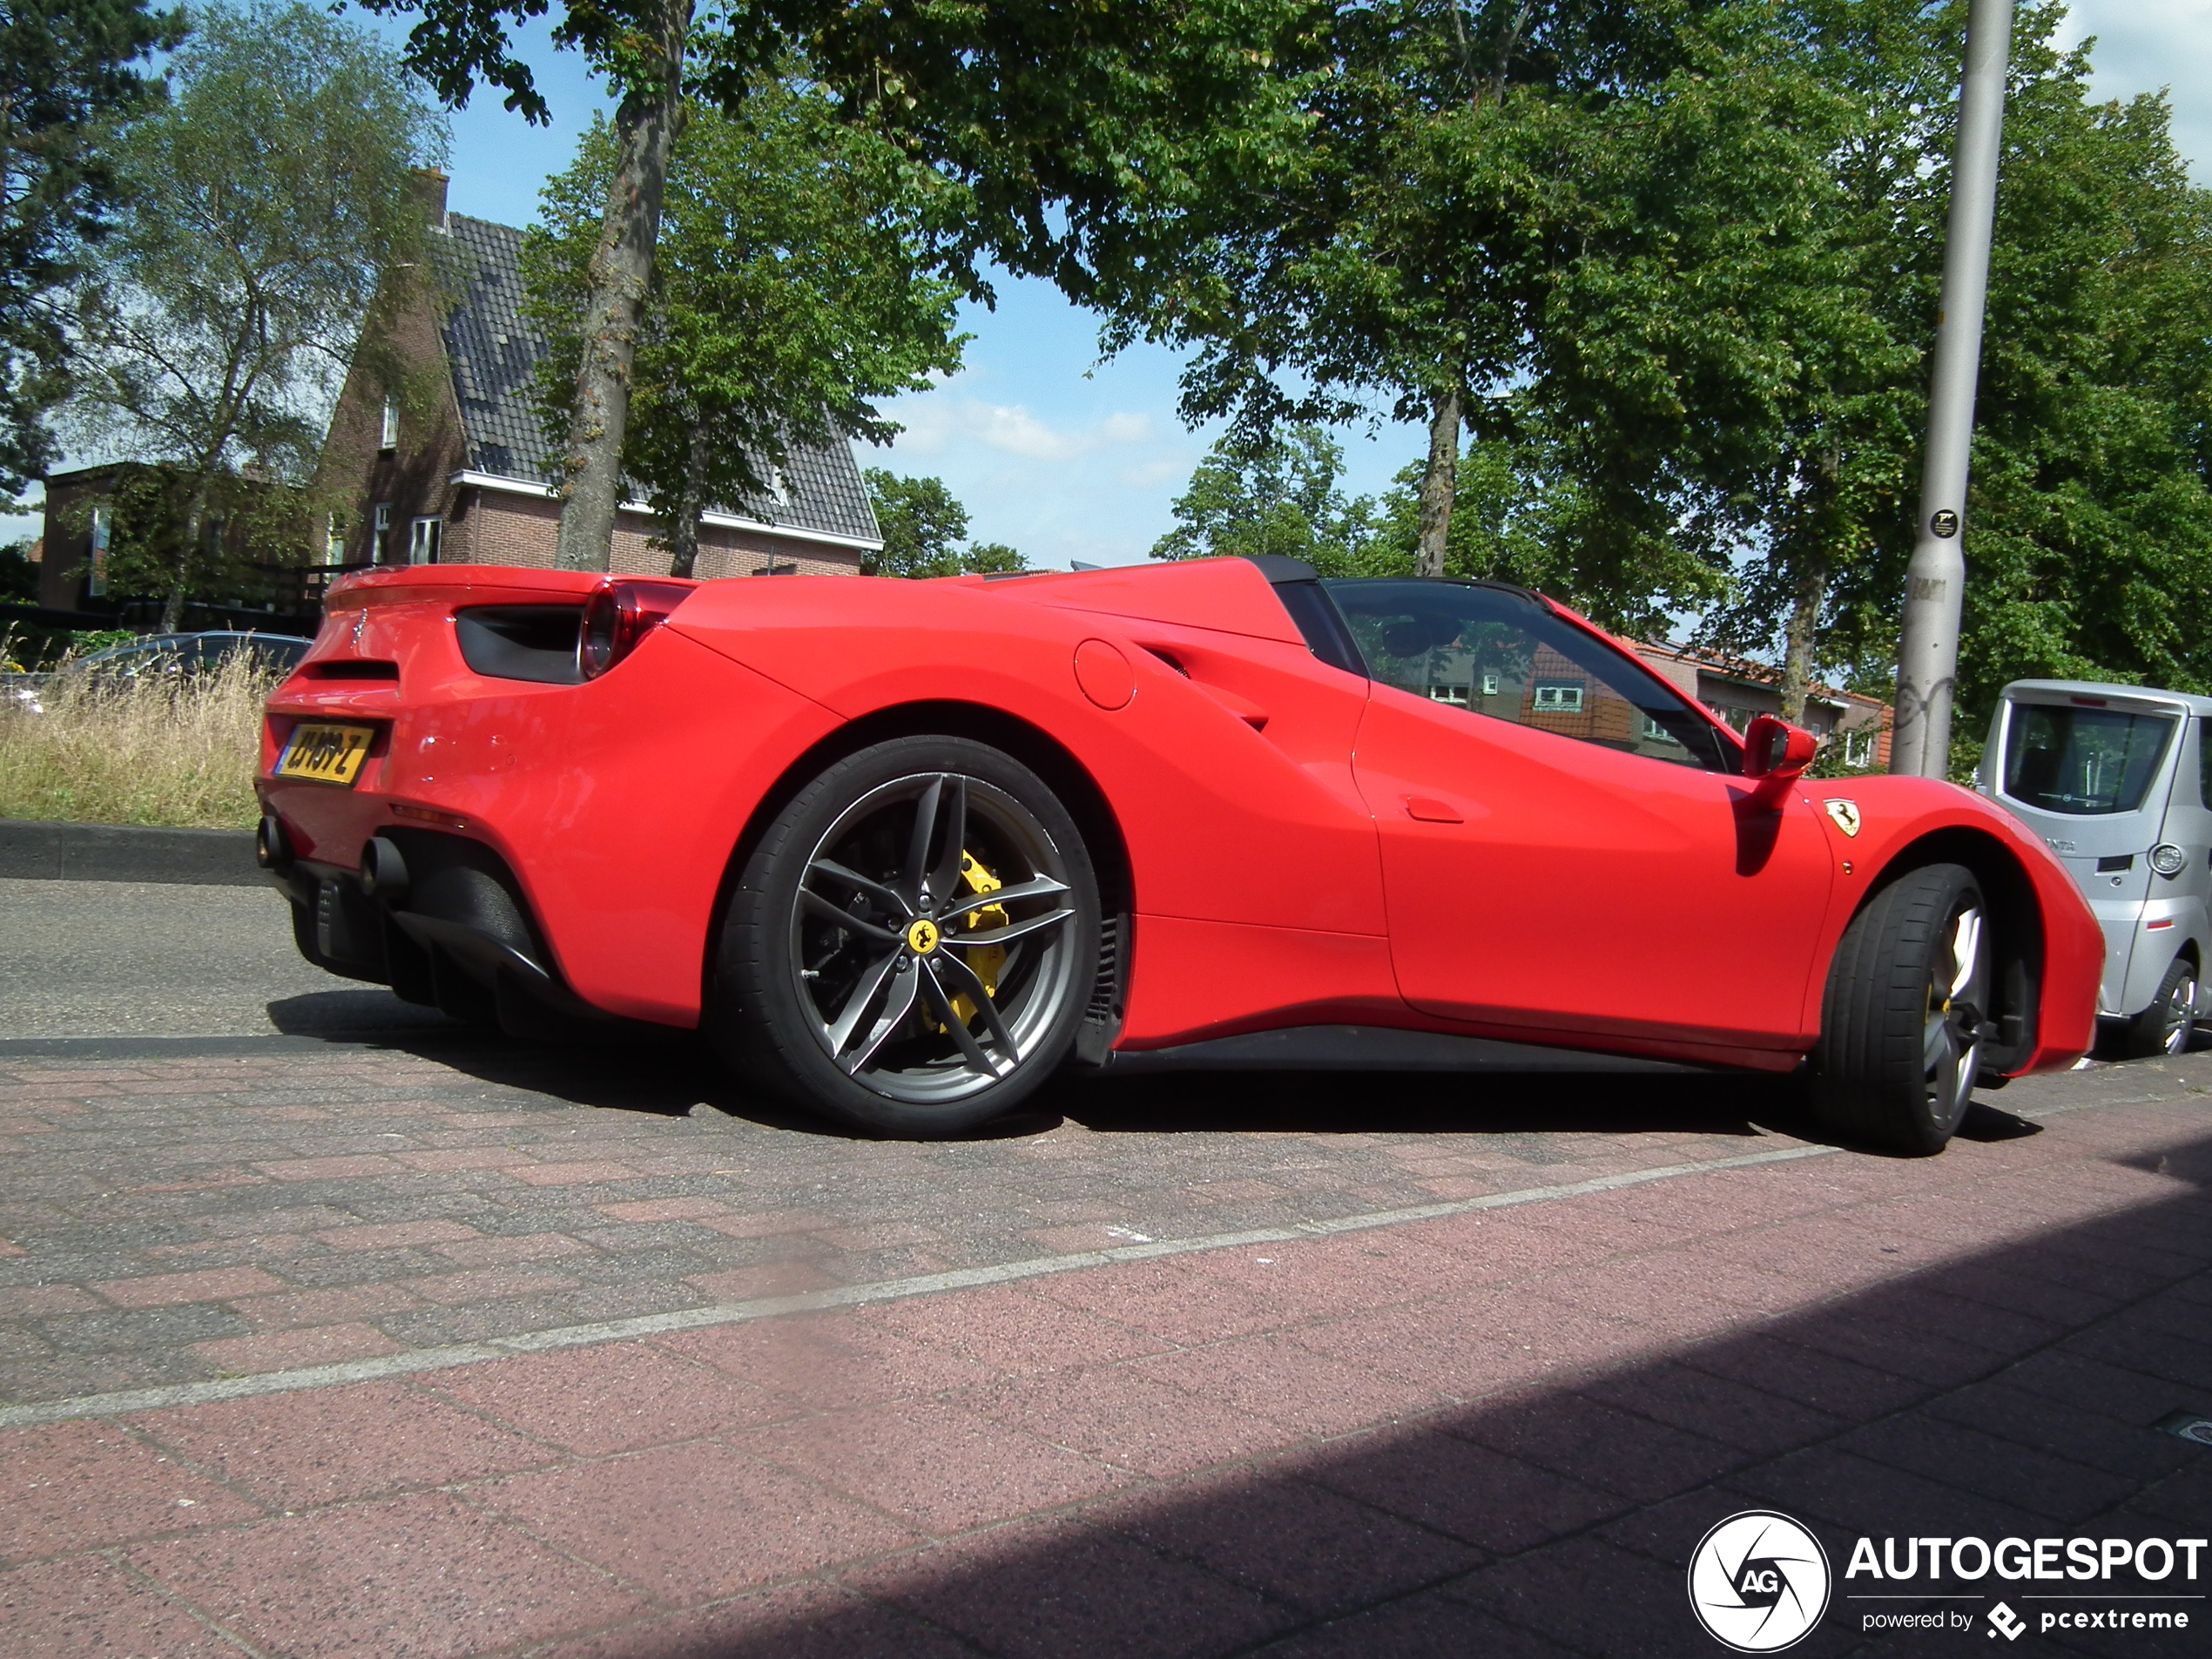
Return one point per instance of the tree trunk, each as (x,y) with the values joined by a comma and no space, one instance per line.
(172,608)
(1439,484)
(1796,649)
(684,525)
(621,272)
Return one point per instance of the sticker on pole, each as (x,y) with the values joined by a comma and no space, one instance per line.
(1945,523)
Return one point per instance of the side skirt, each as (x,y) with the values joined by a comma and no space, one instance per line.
(1367,1048)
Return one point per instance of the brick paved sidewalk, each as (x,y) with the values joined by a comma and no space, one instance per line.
(171,1221)
(1496,1432)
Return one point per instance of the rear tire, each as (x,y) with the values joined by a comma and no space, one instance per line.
(2166,1025)
(1905,1014)
(913,944)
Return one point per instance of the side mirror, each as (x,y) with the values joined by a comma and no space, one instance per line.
(1776,753)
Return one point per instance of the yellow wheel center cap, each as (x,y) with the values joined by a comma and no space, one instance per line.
(922,937)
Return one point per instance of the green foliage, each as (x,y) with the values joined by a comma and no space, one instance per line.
(1282,495)
(270,198)
(2089,532)
(18,575)
(922,524)
(66,67)
(789,295)
(245,525)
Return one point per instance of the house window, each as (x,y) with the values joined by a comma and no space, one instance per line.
(333,540)
(1649,730)
(1559,699)
(391,440)
(1858,748)
(1455,695)
(777,567)
(779,487)
(96,576)
(1490,684)
(379,533)
(422,541)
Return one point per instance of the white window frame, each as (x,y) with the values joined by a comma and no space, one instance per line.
(391,438)
(1556,699)
(423,539)
(379,532)
(95,564)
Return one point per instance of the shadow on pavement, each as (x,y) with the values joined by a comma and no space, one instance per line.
(637,1069)
(2011,1394)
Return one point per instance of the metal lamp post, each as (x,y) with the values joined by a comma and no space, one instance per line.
(1927,665)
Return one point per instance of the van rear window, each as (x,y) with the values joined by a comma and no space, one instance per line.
(2085,762)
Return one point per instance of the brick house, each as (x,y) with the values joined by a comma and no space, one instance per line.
(89,507)
(451,467)
(1738,690)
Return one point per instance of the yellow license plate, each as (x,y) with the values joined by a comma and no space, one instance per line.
(328,754)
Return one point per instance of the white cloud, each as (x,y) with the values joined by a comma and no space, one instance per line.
(938,421)
(2146,45)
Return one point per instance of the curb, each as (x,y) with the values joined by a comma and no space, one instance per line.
(39,852)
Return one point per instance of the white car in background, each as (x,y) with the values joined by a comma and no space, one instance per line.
(2118,780)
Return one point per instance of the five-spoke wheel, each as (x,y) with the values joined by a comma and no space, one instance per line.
(913,941)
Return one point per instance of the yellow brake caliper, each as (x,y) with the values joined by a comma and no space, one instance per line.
(983,960)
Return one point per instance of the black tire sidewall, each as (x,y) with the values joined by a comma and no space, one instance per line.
(1869,1066)
(756,1013)
(2144,1037)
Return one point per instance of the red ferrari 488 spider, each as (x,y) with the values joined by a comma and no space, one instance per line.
(904,849)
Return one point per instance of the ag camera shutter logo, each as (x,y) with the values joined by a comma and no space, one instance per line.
(1758,1581)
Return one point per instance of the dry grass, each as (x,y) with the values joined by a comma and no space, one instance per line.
(180,753)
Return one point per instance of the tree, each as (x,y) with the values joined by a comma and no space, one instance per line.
(788,295)
(2088,525)
(1054,118)
(269,201)
(1480,198)
(922,523)
(66,67)
(1282,495)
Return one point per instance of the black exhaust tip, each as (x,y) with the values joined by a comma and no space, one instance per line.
(383,871)
(272,846)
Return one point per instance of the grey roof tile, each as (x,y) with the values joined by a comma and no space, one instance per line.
(495,352)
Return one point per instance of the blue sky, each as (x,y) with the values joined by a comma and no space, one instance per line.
(1065,457)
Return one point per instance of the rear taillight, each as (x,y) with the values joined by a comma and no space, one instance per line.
(620,614)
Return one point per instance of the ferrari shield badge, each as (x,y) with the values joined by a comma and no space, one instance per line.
(1846,813)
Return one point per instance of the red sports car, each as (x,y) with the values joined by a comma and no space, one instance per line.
(904,849)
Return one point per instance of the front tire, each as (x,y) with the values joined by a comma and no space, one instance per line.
(1906,1012)
(2166,1025)
(912,946)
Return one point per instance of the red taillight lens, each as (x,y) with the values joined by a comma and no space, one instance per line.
(618,615)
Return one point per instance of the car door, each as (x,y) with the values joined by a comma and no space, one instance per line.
(1566,847)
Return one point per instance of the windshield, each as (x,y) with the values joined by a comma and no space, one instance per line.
(2082,761)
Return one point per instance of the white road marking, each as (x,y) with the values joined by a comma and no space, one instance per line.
(417,1360)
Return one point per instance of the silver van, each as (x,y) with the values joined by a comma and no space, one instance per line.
(2118,780)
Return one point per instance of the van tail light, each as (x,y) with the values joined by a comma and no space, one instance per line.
(618,615)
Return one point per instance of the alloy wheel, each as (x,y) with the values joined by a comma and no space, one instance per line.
(1952,1032)
(930,938)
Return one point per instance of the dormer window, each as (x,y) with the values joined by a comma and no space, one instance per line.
(391,423)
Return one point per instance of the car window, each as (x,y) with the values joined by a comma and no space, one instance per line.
(2084,761)
(2204,758)
(1500,654)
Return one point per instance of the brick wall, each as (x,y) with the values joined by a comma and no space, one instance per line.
(497,527)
